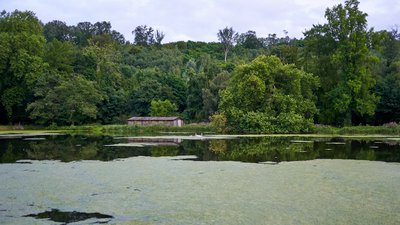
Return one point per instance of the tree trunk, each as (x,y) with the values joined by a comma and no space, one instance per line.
(348,119)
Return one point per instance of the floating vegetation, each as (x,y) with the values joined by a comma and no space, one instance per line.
(9,137)
(184,137)
(301,141)
(34,139)
(131,145)
(174,190)
(176,132)
(26,135)
(269,163)
(393,139)
(185,157)
(335,143)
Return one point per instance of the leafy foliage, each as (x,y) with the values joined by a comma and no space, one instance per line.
(339,55)
(268,96)
(63,99)
(388,82)
(227,36)
(163,108)
(56,73)
(144,36)
(21,64)
(218,120)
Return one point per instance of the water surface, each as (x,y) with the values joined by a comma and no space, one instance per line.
(196,180)
(68,148)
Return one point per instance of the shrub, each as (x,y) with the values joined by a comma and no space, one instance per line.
(218,121)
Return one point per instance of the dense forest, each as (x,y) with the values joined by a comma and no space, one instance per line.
(341,73)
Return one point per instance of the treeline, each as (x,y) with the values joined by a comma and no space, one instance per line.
(340,73)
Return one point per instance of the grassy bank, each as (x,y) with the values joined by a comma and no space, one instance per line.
(393,129)
(137,130)
(18,128)
(357,130)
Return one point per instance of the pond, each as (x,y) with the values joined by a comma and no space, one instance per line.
(198,179)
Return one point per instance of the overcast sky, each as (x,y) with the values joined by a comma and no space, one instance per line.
(200,20)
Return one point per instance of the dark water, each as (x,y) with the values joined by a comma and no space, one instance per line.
(68,148)
(69,217)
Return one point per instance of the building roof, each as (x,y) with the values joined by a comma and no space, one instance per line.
(153,118)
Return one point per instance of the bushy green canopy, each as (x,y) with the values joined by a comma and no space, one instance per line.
(269,96)
(163,108)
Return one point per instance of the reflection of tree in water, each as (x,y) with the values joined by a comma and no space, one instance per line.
(197,148)
(75,148)
(250,149)
(294,149)
(158,151)
(12,150)
(368,150)
(66,150)
(359,150)
(10,156)
(268,149)
(218,146)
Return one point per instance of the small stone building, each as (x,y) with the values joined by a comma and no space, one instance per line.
(169,121)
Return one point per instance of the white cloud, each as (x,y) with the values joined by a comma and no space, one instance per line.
(200,19)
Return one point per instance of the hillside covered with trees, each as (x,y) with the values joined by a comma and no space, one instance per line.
(341,73)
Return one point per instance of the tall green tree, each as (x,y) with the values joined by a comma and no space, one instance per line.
(200,98)
(249,40)
(21,64)
(163,108)
(210,94)
(228,37)
(64,99)
(60,55)
(150,84)
(194,100)
(145,36)
(100,28)
(82,32)
(109,80)
(338,53)
(57,30)
(158,37)
(268,96)
(388,81)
